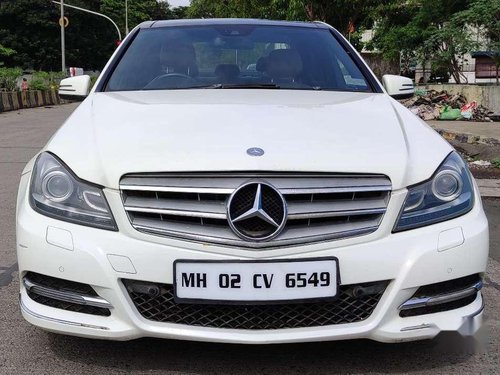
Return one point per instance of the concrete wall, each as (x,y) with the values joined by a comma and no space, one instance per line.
(12,101)
(488,96)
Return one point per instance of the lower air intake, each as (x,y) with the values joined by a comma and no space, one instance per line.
(64,294)
(443,296)
(156,302)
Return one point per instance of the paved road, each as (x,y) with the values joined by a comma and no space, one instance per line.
(28,350)
(485,129)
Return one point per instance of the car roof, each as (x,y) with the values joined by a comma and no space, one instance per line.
(230,21)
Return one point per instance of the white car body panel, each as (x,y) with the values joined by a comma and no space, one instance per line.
(409,258)
(112,134)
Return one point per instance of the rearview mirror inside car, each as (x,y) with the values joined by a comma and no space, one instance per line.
(398,87)
(75,88)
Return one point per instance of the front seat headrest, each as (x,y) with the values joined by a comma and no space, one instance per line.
(284,64)
(260,66)
(227,72)
(179,57)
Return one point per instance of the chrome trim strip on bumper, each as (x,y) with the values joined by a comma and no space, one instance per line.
(414,328)
(27,311)
(66,296)
(226,241)
(415,303)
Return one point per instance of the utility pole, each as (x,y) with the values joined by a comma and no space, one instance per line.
(63,47)
(126,17)
(88,11)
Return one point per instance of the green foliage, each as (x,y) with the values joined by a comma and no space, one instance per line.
(30,27)
(38,84)
(93,80)
(4,51)
(138,11)
(427,30)
(226,9)
(496,162)
(39,81)
(45,80)
(396,29)
(338,13)
(485,14)
(8,78)
(415,30)
(177,13)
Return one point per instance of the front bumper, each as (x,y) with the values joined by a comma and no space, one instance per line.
(102,259)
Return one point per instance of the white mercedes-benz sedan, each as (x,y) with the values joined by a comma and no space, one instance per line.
(247,181)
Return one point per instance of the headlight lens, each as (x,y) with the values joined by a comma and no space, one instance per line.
(58,193)
(448,194)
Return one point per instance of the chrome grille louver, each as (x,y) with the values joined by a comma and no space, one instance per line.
(193,206)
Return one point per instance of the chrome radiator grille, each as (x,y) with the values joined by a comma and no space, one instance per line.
(193,206)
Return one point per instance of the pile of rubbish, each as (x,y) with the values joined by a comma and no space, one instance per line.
(434,105)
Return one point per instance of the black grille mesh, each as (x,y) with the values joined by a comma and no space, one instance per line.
(156,302)
(243,201)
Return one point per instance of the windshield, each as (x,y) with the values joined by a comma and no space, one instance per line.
(236,56)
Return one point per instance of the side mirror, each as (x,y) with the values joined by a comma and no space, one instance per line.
(398,87)
(74,88)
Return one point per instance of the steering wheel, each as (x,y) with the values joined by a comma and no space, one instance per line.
(170,80)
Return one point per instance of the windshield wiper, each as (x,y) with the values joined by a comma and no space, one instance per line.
(243,86)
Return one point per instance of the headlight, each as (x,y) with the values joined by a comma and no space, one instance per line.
(58,193)
(448,194)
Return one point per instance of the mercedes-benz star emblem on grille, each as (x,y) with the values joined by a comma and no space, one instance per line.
(255,151)
(256,211)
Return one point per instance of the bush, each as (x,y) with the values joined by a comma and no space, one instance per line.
(55,78)
(8,78)
(46,80)
(39,81)
(93,80)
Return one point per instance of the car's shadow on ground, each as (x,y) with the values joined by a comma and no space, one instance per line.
(356,356)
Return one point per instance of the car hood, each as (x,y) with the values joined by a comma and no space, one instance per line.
(112,134)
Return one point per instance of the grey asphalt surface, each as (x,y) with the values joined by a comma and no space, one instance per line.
(25,349)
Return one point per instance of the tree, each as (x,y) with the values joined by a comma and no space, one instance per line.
(341,14)
(230,9)
(30,27)
(177,13)
(138,11)
(426,30)
(90,39)
(5,51)
(485,15)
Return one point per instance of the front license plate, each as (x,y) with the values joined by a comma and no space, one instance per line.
(255,281)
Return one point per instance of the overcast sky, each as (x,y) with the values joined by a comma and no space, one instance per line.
(176,3)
